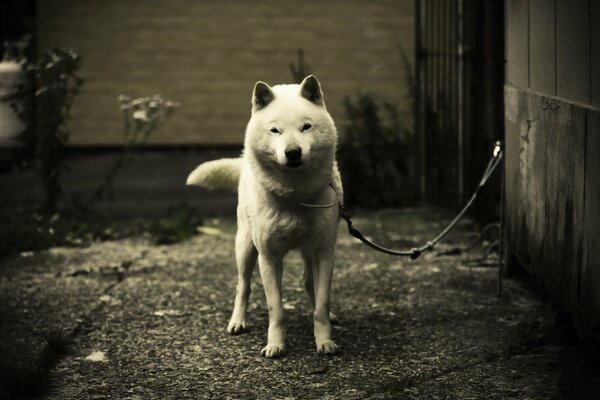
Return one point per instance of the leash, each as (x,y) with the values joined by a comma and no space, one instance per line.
(416,252)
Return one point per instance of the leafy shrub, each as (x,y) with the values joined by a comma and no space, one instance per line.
(177,226)
(376,155)
(51,86)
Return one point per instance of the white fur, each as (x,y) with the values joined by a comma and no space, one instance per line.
(271,222)
(218,174)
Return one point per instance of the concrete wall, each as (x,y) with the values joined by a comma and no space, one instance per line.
(552,100)
(208,55)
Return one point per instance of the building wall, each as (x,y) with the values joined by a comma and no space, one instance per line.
(552,116)
(208,55)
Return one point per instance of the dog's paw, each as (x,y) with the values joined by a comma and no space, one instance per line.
(273,350)
(236,327)
(327,347)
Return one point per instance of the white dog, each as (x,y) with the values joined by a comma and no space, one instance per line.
(288,161)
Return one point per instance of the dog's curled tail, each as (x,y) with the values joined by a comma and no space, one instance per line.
(217,174)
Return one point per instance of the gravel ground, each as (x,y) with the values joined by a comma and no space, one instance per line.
(154,318)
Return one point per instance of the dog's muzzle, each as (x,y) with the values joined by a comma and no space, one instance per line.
(293,157)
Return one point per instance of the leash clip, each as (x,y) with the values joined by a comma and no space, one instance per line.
(497,148)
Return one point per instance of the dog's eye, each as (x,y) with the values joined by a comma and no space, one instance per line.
(274,130)
(306,127)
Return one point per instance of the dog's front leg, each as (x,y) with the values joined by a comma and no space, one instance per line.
(245,254)
(322,274)
(270,273)
(309,283)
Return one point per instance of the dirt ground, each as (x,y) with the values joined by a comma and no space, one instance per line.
(130,320)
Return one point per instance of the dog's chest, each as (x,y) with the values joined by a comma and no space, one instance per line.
(288,228)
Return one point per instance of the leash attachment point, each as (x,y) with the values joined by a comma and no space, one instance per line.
(416,252)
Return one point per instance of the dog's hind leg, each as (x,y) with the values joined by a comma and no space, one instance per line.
(246,255)
(308,280)
(309,285)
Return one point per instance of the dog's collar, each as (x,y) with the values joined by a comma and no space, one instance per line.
(309,205)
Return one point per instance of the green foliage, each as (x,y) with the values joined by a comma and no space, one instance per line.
(44,103)
(376,155)
(178,225)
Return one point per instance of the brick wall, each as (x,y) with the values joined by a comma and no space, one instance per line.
(208,54)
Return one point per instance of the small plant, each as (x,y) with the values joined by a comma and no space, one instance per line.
(141,117)
(376,155)
(175,227)
(44,103)
(300,69)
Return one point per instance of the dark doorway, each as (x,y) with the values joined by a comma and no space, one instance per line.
(459,113)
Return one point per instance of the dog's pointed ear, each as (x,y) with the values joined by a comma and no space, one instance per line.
(310,89)
(262,95)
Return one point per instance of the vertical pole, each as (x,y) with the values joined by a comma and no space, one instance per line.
(501,242)
(420,94)
(460,128)
(441,69)
(453,33)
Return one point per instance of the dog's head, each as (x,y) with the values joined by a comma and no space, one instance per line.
(290,128)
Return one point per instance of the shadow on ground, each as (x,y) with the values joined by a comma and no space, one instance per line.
(154,319)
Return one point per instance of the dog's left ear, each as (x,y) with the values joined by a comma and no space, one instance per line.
(310,89)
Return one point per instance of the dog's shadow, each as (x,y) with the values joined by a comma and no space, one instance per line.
(358,335)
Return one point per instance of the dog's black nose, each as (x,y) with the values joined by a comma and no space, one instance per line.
(293,155)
